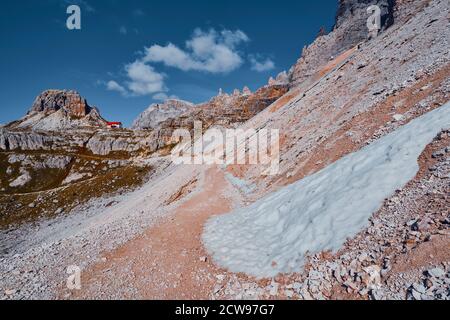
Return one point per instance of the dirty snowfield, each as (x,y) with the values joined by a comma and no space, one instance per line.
(320,212)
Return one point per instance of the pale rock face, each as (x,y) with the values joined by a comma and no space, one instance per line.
(103,143)
(352,17)
(32,140)
(53,100)
(157,113)
(58,110)
(48,162)
(22,140)
(223,110)
(350,29)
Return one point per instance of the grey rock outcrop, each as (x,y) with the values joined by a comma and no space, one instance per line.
(59,110)
(11,140)
(23,141)
(157,124)
(40,162)
(352,17)
(349,30)
(103,143)
(51,101)
(157,113)
(98,142)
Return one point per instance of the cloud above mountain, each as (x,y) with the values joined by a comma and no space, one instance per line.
(142,79)
(211,51)
(114,86)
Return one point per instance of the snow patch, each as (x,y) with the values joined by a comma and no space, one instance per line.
(320,212)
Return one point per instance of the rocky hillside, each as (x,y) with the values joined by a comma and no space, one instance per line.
(340,107)
(363,93)
(62,148)
(233,109)
(160,112)
(62,120)
(355,105)
(223,110)
(59,110)
(95,142)
(349,30)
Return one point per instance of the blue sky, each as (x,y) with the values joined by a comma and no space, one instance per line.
(131,53)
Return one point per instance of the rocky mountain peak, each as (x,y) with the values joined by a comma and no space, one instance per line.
(59,110)
(356,12)
(223,109)
(70,101)
(352,18)
(350,29)
(160,112)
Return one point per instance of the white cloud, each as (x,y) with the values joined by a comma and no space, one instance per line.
(263,66)
(114,86)
(143,79)
(208,51)
(211,51)
(171,55)
(123,30)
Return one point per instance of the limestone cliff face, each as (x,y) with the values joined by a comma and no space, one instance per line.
(224,110)
(160,112)
(28,140)
(97,142)
(349,30)
(63,121)
(59,110)
(238,107)
(354,12)
(53,100)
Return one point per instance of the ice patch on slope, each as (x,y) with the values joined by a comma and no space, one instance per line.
(321,211)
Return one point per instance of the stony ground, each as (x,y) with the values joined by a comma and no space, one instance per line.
(39,253)
(168,261)
(402,255)
(146,243)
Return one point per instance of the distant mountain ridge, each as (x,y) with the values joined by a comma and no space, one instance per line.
(224,109)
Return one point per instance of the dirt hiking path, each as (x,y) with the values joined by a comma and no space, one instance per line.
(168,261)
